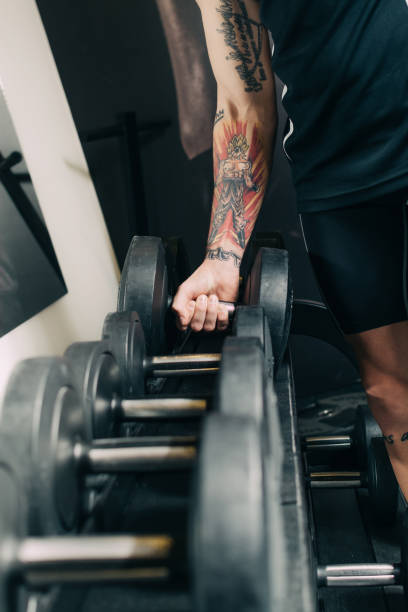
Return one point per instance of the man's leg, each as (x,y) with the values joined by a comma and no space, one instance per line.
(382,354)
(359,256)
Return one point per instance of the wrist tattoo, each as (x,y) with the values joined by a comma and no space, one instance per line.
(224,256)
(218,116)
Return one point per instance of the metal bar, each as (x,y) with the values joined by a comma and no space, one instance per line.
(359,574)
(328,442)
(184,372)
(52,560)
(133,459)
(335,480)
(186,361)
(144,441)
(170,408)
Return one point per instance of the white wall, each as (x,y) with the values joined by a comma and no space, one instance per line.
(55,160)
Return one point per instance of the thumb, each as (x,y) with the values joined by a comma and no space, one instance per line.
(183,303)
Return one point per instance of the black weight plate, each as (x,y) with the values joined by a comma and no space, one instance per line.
(143,288)
(228,539)
(96,377)
(12,524)
(404,555)
(251,322)
(365,429)
(41,412)
(381,483)
(123,334)
(241,381)
(269,286)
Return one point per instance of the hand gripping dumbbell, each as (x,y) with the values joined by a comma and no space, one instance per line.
(375,470)
(97,377)
(227,559)
(144,288)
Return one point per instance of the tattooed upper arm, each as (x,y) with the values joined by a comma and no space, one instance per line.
(238,47)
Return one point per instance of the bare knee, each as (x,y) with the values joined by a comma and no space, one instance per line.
(387,396)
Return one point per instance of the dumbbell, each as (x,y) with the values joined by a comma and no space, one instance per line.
(378,478)
(43,411)
(375,471)
(365,429)
(369,574)
(43,415)
(229,468)
(98,378)
(144,288)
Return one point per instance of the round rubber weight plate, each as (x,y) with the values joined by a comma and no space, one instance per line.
(381,483)
(143,288)
(366,428)
(12,526)
(241,382)
(123,333)
(42,414)
(251,322)
(269,286)
(96,377)
(228,550)
(404,555)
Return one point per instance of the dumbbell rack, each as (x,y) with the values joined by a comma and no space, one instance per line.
(344,530)
(142,503)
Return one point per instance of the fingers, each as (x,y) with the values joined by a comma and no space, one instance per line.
(222,318)
(211,315)
(203,313)
(200,311)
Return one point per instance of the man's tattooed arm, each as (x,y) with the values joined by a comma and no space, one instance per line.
(243,36)
(244,124)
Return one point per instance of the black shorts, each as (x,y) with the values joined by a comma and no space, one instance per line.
(359,256)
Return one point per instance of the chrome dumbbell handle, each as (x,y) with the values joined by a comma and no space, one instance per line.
(359,574)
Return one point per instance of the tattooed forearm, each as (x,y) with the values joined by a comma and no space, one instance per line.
(240,177)
(244,37)
(224,256)
(218,116)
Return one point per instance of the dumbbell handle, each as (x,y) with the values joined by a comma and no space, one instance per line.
(57,560)
(359,574)
(133,409)
(327,442)
(113,456)
(336,480)
(187,364)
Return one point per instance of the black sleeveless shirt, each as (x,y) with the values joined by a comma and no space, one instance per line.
(344,64)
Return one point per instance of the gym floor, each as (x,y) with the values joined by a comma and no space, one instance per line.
(344,529)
